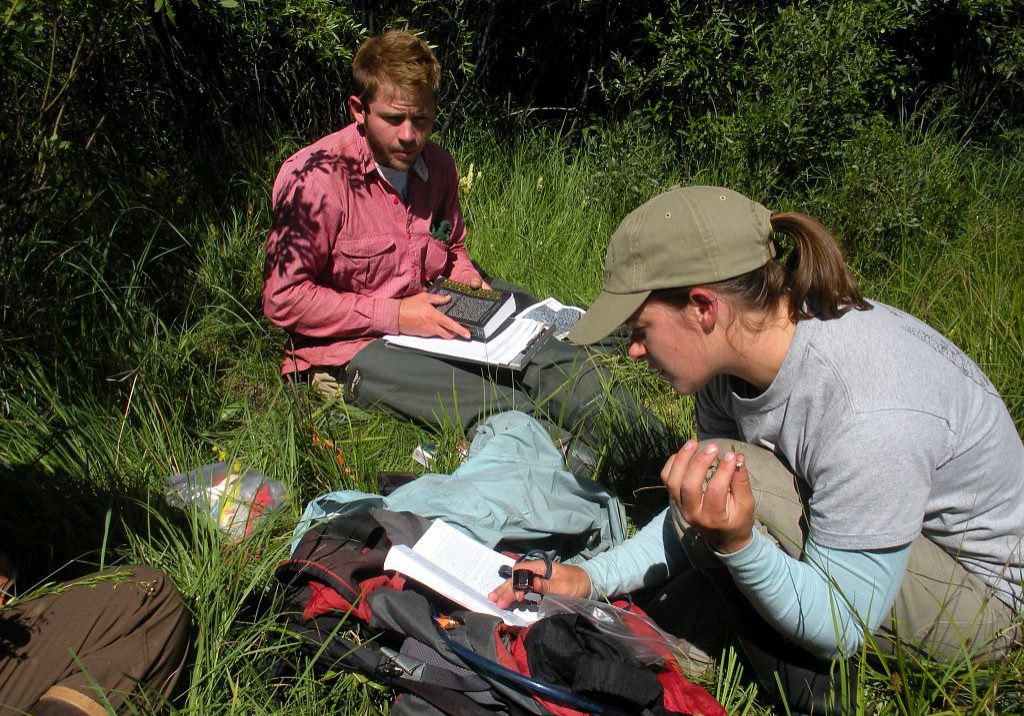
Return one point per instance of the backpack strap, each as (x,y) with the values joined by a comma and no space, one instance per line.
(446,700)
(444,687)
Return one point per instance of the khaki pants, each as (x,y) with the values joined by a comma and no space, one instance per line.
(103,637)
(941,611)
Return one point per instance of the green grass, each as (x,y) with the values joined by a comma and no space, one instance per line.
(148,380)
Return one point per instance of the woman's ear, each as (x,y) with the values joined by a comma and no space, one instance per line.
(705,303)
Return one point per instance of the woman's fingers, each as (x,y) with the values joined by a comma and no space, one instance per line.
(675,468)
(687,475)
(713,492)
(718,486)
(565,579)
(505,595)
(728,510)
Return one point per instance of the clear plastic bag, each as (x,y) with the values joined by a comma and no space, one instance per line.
(646,641)
(234,500)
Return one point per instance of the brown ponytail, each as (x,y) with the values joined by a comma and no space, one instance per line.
(814,279)
(818,280)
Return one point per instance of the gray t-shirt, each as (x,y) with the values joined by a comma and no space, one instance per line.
(897,433)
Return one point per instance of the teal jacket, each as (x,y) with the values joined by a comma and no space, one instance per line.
(513,488)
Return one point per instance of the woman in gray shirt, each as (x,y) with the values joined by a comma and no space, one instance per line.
(858,476)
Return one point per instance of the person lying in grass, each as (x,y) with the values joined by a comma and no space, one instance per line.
(364,220)
(857,476)
(113,641)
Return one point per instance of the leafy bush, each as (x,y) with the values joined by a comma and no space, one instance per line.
(781,88)
(894,187)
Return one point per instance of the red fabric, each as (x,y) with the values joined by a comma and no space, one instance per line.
(504,635)
(324,599)
(343,249)
(681,695)
(260,502)
(684,696)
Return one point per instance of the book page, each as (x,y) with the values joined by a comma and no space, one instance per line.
(551,303)
(453,564)
(551,312)
(501,349)
(462,556)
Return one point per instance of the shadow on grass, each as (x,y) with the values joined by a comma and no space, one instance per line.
(55,527)
(632,467)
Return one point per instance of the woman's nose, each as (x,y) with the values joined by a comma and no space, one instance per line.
(636,350)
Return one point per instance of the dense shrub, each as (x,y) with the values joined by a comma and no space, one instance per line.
(781,88)
(122,121)
(896,187)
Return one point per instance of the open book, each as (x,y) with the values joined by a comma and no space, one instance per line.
(511,347)
(551,312)
(458,567)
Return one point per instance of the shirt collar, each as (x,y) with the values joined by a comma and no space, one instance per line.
(419,166)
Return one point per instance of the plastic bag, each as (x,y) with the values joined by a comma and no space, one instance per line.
(235,501)
(648,642)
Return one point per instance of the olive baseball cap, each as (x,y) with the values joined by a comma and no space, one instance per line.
(683,237)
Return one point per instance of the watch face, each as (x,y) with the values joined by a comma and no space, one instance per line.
(521,580)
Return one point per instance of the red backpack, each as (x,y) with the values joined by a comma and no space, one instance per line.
(474,664)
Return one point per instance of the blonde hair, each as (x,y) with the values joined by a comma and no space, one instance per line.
(399,58)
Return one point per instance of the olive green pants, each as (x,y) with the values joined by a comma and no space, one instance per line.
(562,383)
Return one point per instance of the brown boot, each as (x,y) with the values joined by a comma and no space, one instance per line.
(62,701)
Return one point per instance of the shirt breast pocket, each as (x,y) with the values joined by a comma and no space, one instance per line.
(365,264)
(435,259)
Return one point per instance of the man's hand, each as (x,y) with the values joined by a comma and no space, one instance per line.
(721,507)
(565,579)
(477,282)
(418,317)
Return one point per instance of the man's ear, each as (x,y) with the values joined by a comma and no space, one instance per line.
(358,108)
(705,302)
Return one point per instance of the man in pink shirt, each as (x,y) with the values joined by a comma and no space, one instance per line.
(363,221)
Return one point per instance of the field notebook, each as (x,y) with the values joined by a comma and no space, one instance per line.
(512,346)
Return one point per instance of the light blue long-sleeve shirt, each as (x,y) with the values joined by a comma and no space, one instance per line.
(826,601)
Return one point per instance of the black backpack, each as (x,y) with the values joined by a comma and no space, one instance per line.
(474,664)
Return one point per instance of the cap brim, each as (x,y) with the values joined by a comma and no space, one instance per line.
(606,314)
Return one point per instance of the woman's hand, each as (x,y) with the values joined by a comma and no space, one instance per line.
(721,507)
(565,579)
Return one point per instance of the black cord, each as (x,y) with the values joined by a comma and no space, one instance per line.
(508,570)
(539,554)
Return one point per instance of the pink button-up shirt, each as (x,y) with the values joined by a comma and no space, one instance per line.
(344,248)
